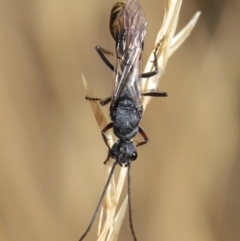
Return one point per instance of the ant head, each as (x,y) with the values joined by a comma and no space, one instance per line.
(124,152)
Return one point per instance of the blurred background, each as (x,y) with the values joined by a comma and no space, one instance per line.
(186,180)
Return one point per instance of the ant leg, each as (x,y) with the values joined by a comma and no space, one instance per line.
(102,53)
(106,128)
(155,62)
(101,101)
(144,135)
(155,93)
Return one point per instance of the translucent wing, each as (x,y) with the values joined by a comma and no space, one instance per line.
(127,25)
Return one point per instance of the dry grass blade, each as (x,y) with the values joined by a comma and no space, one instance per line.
(110,204)
(168,43)
(113,235)
(183,34)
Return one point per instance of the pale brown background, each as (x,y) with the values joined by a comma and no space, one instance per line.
(185,181)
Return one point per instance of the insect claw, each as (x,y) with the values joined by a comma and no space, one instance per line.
(108,157)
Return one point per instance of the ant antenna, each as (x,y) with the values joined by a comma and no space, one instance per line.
(100,201)
(130,203)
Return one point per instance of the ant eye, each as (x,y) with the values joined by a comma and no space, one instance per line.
(134,156)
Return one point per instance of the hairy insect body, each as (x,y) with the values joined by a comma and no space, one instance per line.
(125,118)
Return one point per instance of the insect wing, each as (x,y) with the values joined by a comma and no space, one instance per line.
(129,31)
(127,78)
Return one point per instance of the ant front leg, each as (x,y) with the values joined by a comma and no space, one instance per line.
(106,128)
(102,53)
(144,135)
